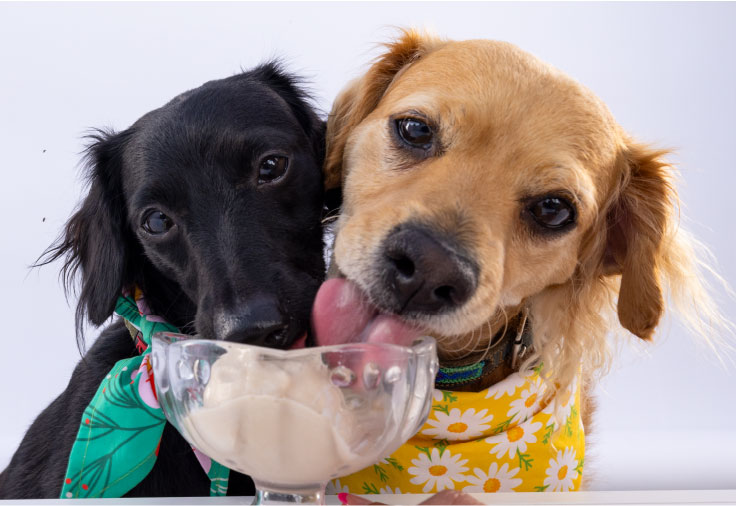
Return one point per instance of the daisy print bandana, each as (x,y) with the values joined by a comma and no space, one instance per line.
(502,439)
(120,431)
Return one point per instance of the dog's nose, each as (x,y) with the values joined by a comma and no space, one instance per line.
(425,274)
(257,321)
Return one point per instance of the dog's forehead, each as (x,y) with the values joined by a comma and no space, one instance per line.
(220,124)
(491,74)
(237,102)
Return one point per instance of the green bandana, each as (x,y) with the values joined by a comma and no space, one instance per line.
(120,432)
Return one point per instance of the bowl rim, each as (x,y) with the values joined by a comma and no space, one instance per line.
(421,345)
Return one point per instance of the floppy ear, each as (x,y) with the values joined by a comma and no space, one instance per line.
(360,97)
(291,88)
(94,238)
(639,219)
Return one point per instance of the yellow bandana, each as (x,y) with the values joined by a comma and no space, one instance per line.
(502,439)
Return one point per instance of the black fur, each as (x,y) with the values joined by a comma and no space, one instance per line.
(236,245)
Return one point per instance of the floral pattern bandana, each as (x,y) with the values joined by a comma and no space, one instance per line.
(120,431)
(502,439)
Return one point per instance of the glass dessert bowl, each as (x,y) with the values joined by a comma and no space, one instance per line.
(294,420)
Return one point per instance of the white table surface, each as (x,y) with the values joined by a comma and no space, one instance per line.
(674,497)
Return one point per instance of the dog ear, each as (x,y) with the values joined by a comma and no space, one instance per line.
(360,97)
(291,88)
(638,220)
(94,238)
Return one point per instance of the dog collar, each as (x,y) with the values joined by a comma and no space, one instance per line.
(120,431)
(507,349)
(506,438)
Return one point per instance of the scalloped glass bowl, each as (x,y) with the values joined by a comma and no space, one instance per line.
(294,420)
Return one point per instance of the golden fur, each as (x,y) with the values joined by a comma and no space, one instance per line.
(511,126)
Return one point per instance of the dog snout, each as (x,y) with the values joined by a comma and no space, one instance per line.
(425,274)
(258,321)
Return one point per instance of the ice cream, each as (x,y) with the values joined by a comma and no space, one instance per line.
(282,421)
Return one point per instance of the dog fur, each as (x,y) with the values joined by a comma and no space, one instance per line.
(239,243)
(510,130)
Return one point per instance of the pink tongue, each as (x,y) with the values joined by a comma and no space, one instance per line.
(341,314)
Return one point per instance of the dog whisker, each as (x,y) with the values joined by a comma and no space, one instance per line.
(330,218)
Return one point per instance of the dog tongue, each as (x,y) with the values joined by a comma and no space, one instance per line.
(341,314)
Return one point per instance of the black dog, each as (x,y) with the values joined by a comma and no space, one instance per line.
(211,205)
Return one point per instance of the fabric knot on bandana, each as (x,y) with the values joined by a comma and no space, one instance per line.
(120,431)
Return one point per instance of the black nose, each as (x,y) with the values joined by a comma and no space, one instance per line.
(424,274)
(258,321)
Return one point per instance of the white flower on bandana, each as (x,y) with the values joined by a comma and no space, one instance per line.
(389,490)
(465,425)
(506,387)
(561,405)
(334,487)
(437,472)
(496,480)
(561,471)
(513,439)
(528,403)
(437,395)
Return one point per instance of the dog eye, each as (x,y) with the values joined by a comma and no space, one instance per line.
(414,132)
(156,223)
(552,213)
(271,168)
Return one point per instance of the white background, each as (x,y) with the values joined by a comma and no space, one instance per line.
(666,416)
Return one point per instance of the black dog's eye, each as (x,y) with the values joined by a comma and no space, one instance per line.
(156,223)
(271,168)
(552,213)
(415,133)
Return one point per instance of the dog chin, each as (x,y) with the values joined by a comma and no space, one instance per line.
(459,323)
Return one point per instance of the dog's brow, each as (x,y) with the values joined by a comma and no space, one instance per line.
(558,177)
(152,194)
(418,106)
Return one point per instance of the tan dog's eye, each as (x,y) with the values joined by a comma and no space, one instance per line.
(415,133)
(552,213)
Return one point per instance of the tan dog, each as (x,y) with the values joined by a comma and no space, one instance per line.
(524,177)
(480,185)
